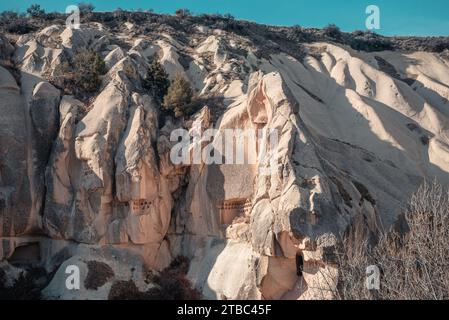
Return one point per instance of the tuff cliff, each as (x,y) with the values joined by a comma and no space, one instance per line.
(92,180)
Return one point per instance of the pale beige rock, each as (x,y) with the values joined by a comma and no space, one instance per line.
(354,143)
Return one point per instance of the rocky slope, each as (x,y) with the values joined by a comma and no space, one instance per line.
(92,180)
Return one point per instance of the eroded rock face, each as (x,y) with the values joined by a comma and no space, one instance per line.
(95,177)
(15,197)
(283,214)
(28,131)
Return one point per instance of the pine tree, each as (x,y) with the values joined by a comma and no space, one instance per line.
(179,96)
(157,81)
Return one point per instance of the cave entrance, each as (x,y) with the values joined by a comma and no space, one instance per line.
(299,264)
(26,254)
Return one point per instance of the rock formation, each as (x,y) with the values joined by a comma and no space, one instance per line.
(92,180)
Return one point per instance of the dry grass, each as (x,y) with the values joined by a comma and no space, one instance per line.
(413,265)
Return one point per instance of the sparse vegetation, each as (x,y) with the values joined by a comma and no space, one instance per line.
(13,22)
(179,96)
(288,39)
(369,41)
(413,264)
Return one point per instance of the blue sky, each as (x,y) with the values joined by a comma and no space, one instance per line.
(398,17)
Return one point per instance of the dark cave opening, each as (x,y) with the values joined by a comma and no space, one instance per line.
(299,264)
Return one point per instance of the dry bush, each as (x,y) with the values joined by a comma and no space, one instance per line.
(413,265)
(125,290)
(352,261)
(99,273)
(170,284)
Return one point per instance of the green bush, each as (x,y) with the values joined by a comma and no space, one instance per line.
(81,75)
(179,96)
(88,67)
(157,81)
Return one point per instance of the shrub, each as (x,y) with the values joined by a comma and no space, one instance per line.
(296,33)
(88,67)
(438,45)
(13,22)
(98,274)
(35,11)
(157,81)
(125,290)
(182,13)
(333,31)
(27,286)
(369,41)
(20,26)
(414,264)
(80,75)
(7,16)
(172,283)
(86,8)
(179,96)
(228,16)
(129,71)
